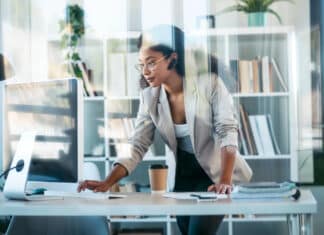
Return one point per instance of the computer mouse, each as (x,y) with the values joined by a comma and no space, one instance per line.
(38,191)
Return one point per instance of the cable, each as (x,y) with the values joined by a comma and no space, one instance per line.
(19,166)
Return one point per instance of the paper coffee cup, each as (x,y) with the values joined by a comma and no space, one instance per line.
(158,175)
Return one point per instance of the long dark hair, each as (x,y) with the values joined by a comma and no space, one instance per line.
(169,39)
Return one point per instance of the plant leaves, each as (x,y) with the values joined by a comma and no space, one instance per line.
(249,6)
(275,14)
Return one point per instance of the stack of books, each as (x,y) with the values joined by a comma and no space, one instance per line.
(265,190)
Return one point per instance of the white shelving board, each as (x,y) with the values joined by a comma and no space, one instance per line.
(242,31)
(272,94)
(264,157)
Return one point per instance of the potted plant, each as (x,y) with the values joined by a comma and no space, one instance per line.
(256,10)
(72,29)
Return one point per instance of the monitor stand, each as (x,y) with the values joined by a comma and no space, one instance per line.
(15,186)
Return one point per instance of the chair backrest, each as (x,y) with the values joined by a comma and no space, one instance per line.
(63,225)
(91,171)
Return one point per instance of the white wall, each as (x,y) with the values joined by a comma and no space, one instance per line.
(16,40)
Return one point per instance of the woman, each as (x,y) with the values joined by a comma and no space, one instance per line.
(193,112)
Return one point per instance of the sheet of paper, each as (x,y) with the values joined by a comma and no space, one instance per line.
(194,195)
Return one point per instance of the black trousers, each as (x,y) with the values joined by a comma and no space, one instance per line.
(190,177)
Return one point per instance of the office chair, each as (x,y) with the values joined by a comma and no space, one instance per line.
(90,171)
(63,225)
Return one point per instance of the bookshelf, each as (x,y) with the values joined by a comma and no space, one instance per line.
(118,103)
(270,49)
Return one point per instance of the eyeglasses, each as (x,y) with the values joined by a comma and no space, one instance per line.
(151,66)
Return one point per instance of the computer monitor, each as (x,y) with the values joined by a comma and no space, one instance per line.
(54,110)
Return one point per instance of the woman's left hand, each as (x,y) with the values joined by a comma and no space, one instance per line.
(222,188)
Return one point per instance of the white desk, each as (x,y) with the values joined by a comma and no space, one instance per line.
(299,213)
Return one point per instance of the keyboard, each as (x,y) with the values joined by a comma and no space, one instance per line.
(89,195)
(42,197)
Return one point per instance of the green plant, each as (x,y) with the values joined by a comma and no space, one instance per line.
(254,6)
(72,29)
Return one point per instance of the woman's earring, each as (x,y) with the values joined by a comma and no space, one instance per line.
(172,64)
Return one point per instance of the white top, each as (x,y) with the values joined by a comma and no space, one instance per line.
(182,134)
(181,130)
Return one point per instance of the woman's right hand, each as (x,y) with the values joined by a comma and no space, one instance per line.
(115,175)
(94,185)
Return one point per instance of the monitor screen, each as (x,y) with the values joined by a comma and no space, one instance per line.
(53,109)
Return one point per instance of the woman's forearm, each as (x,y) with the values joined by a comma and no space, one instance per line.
(117,173)
(228,154)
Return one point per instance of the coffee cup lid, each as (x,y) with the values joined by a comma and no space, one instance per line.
(158,166)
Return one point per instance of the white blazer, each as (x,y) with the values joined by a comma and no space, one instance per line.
(211,119)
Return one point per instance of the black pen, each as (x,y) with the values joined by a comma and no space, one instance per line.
(204,197)
(114,197)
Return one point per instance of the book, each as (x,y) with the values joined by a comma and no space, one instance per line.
(242,143)
(263,190)
(266,140)
(244,76)
(263,184)
(271,82)
(251,77)
(256,78)
(256,135)
(245,134)
(259,61)
(293,194)
(279,75)
(266,187)
(273,136)
(265,74)
(234,70)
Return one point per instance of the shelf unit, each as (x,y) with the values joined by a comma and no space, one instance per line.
(238,43)
(247,44)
